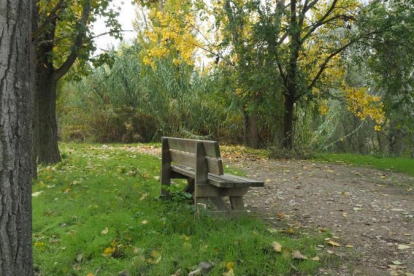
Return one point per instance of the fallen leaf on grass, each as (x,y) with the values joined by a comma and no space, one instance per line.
(280,215)
(177,273)
(37,193)
(315,258)
(277,246)
(330,251)
(143,196)
(90,274)
(334,243)
(195,272)
(230,265)
(228,273)
(272,230)
(144,221)
(298,256)
(349,246)
(105,231)
(108,251)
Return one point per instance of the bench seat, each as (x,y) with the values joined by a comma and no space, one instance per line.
(221,181)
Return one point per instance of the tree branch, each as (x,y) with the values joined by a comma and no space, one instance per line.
(325,63)
(81,27)
(48,19)
(321,21)
(108,33)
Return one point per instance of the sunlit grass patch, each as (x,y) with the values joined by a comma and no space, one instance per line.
(404,165)
(98,212)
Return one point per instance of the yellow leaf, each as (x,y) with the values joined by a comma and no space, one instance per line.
(229,273)
(90,274)
(230,265)
(277,246)
(144,221)
(108,251)
(298,256)
(330,171)
(333,243)
(315,258)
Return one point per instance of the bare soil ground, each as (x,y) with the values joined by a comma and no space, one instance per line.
(369,212)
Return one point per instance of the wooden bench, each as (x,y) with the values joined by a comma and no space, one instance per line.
(200,163)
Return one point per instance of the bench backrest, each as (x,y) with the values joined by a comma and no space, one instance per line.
(189,152)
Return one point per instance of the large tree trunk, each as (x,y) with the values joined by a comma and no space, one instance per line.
(16,113)
(47,149)
(47,135)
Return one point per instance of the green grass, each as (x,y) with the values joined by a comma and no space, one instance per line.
(98,213)
(404,165)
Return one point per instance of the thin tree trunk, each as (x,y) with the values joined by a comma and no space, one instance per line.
(291,84)
(288,124)
(16,113)
(253,130)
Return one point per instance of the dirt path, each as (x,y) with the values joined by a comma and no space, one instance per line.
(370,211)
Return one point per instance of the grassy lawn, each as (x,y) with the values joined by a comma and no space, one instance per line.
(98,213)
(404,165)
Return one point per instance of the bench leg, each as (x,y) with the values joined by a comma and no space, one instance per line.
(237,202)
(190,186)
(219,203)
(201,204)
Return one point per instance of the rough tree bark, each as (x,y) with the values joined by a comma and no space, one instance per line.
(16,112)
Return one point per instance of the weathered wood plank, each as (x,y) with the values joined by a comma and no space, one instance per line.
(219,203)
(215,165)
(165,167)
(222,181)
(237,202)
(183,158)
(189,145)
(207,190)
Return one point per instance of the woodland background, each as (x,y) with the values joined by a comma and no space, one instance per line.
(294,77)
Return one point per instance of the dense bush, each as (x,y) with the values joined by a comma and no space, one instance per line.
(129,102)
